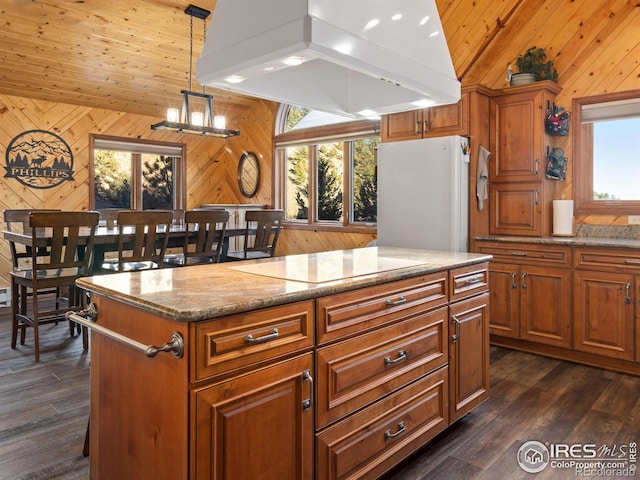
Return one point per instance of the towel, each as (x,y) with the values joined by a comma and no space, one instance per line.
(482,180)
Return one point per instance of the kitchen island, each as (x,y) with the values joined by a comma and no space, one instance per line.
(329,365)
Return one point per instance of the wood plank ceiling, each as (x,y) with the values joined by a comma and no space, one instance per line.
(133,56)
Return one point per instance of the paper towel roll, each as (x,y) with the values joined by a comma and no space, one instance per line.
(563,217)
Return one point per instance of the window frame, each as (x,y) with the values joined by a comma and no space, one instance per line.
(312,137)
(136,168)
(583,161)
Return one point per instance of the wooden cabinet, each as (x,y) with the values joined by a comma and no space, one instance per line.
(258,425)
(530,289)
(468,339)
(385,391)
(518,147)
(468,355)
(427,122)
(607,296)
(345,385)
(517,208)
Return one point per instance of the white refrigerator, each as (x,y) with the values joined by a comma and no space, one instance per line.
(423,194)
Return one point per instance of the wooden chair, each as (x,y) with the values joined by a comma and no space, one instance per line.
(261,244)
(67,238)
(142,240)
(110,215)
(203,238)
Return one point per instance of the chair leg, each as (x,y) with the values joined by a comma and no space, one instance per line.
(14,311)
(85,448)
(24,294)
(85,338)
(36,333)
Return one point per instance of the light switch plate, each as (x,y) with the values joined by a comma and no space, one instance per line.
(633,219)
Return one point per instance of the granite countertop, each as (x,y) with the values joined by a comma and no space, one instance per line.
(195,293)
(579,241)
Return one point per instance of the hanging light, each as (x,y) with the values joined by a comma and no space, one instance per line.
(186,120)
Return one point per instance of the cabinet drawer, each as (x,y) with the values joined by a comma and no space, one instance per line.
(468,281)
(375,439)
(350,313)
(227,344)
(609,259)
(527,253)
(356,372)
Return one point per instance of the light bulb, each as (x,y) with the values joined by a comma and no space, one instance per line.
(173,114)
(219,122)
(197,118)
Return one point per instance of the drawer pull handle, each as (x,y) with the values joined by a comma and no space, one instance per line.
(402,355)
(401,428)
(393,303)
(513,280)
(627,292)
(629,261)
(524,279)
(253,341)
(473,280)
(517,253)
(308,403)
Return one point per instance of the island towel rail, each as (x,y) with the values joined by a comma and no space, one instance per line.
(85,317)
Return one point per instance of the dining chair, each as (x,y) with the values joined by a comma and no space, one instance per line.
(203,238)
(60,254)
(110,215)
(142,240)
(17,220)
(262,230)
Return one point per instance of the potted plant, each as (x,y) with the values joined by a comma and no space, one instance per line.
(533,67)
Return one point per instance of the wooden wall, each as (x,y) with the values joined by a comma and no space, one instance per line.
(211,162)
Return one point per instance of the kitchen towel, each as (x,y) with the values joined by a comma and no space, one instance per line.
(482,180)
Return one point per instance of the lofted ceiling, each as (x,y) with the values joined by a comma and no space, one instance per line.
(133,55)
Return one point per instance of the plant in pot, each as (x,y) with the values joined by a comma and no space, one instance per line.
(533,67)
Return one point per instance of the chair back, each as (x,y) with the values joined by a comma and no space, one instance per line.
(110,215)
(68,239)
(148,243)
(204,235)
(17,220)
(267,224)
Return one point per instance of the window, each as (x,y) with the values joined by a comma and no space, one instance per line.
(137,175)
(326,169)
(607,154)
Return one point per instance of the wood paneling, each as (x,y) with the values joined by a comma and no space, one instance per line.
(113,68)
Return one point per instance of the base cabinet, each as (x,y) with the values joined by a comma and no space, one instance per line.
(375,439)
(238,428)
(468,355)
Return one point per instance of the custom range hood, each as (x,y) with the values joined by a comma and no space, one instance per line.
(357,58)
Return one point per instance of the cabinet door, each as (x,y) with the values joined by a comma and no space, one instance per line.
(468,355)
(516,209)
(518,137)
(545,305)
(401,126)
(505,299)
(238,429)
(604,314)
(447,119)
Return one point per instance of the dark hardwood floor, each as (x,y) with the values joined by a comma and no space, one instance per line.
(44,408)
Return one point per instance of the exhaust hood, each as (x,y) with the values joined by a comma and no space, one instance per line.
(357,58)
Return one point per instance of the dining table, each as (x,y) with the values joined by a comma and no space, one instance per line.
(106,240)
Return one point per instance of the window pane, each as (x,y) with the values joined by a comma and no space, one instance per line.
(297,188)
(112,179)
(364,189)
(157,182)
(616,160)
(330,185)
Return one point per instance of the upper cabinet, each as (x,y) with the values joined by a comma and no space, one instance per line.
(427,122)
(518,139)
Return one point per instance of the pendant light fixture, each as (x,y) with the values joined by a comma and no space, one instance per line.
(189,120)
